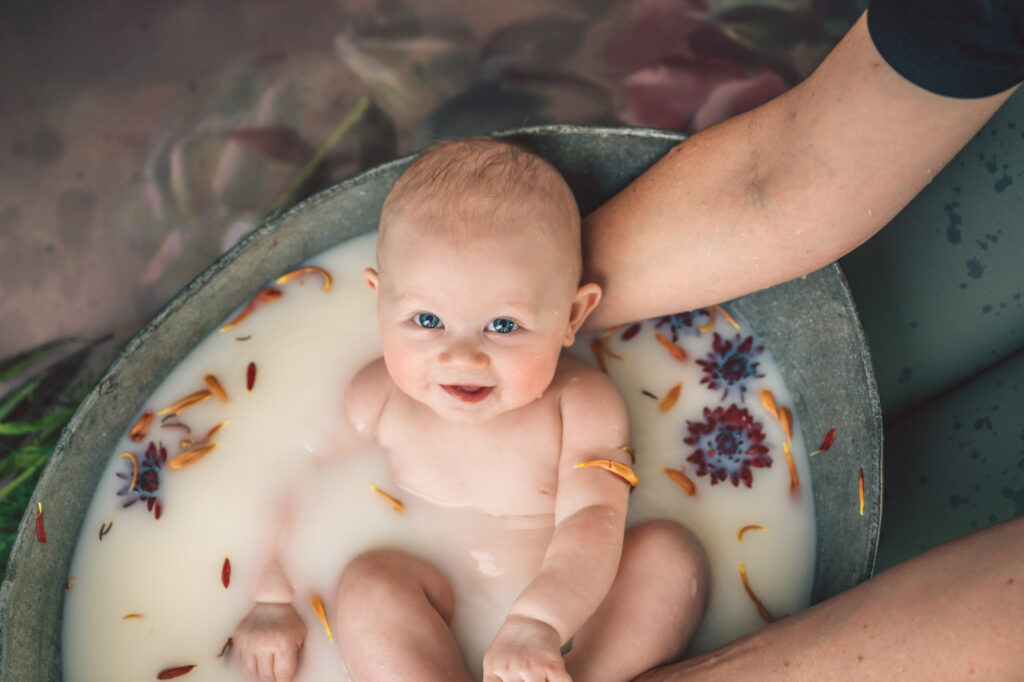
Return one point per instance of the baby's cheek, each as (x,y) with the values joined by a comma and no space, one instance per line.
(534,376)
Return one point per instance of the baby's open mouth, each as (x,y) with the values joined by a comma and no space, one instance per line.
(468,393)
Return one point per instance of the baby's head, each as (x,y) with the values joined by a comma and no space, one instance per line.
(478,285)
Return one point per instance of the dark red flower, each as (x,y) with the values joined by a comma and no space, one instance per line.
(730,364)
(686,323)
(729,442)
(147,485)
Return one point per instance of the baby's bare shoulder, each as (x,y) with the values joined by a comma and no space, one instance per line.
(366,396)
(584,389)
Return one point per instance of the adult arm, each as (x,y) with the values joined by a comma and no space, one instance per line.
(952,613)
(777,192)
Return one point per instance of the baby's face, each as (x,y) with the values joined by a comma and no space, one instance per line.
(474,330)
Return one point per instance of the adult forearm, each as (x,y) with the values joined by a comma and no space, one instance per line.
(777,192)
(578,569)
(953,613)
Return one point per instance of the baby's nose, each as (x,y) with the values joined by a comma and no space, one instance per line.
(464,354)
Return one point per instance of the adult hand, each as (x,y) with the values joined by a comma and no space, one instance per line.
(525,649)
(268,641)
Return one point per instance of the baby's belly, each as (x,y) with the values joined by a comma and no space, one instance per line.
(489,560)
(485,548)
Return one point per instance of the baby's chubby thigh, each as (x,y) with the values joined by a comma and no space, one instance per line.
(652,610)
(392,613)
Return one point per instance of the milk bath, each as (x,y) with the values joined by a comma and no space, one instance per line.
(167,573)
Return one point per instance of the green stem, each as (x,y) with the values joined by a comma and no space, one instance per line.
(22,477)
(350,120)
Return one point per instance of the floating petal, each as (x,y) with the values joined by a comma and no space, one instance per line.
(135,469)
(671,398)
(682,480)
(265,296)
(188,401)
(677,352)
(395,503)
(141,427)
(753,597)
(794,479)
(287,277)
(617,468)
(215,387)
(189,457)
(318,608)
(744,529)
(768,400)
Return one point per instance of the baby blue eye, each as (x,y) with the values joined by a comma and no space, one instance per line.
(427,320)
(502,325)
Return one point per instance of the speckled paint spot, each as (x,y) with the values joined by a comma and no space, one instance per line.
(953,233)
(987,308)
(983,423)
(1002,183)
(974,268)
(904,375)
(1017,497)
(955,501)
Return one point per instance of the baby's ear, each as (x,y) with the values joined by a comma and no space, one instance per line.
(370,275)
(583,303)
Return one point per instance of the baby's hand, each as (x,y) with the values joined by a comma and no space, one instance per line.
(525,649)
(268,641)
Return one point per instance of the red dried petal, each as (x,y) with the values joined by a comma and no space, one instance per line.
(225,572)
(40,527)
(171,673)
(830,438)
(250,376)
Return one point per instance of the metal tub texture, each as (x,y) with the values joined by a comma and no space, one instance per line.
(809,325)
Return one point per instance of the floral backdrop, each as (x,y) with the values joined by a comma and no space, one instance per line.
(140,141)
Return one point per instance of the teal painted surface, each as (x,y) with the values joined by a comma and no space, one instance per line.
(955,465)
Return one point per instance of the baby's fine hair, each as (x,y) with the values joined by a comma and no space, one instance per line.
(447,177)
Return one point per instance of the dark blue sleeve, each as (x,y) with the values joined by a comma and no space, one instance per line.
(957,48)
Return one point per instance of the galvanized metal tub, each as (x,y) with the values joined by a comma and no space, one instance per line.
(809,325)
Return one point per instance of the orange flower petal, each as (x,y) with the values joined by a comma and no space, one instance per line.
(395,503)
(188,401)
(727,316)
(671,398)
(682,480)
(216,389)
(786,419)
(265,296)
(141,427)
(794,479)
(677,352)
(294,274)
(135,468)
(318,608)
(753,597)
(617,468)
(744,529)
(189,457)
(768,400)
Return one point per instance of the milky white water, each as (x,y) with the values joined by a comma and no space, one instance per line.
(278,439)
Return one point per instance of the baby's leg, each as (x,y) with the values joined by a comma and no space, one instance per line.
(652,610)
(392,618)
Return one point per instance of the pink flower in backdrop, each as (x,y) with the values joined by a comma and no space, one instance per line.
(682,71)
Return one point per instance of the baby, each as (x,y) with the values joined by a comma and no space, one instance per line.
(478,292)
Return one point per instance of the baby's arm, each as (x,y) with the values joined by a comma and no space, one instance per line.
(269,638)
(583,557)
